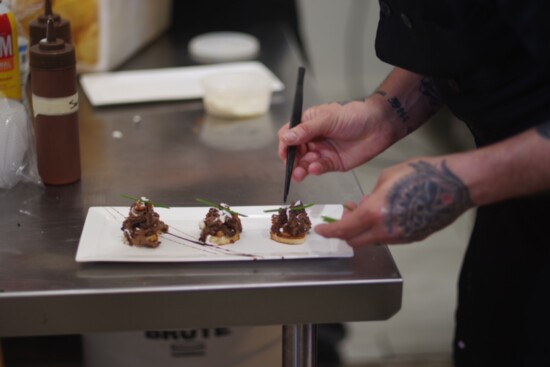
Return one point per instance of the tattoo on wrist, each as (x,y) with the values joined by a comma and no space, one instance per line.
(427,88)
(395,103)
(544,130)
(425,201)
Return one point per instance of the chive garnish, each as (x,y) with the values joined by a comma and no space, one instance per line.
(144,201)
(328,219)
(217,206)
(299,207)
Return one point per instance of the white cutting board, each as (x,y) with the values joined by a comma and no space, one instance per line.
(155,85)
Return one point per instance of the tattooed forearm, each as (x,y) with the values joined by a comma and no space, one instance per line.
(427,88)
(426,200)
(395,103)
(544,130)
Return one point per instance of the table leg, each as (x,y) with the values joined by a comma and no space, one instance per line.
(299,345)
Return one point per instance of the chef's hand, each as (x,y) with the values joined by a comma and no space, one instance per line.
(410,201)
(335,137)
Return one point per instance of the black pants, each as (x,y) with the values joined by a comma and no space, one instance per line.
(503,315)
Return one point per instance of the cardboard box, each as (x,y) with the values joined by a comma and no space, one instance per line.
(200,347)
(105,33)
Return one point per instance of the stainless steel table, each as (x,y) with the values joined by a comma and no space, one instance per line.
(173,153)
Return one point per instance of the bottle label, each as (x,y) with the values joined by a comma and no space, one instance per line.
(10,83)
(54,106)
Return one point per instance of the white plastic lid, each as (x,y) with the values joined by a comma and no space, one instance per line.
(223,47)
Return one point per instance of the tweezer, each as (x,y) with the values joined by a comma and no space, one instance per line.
(294,120)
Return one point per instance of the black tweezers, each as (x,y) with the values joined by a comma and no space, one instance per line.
(294,120)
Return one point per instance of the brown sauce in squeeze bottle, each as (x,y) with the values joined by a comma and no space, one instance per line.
(55,107)
(37,28)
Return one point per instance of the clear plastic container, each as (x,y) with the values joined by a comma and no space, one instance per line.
(13,141)
(236,95)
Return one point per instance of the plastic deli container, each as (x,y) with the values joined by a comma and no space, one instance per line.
(236,95)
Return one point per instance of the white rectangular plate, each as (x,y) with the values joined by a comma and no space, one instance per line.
(102,238)
(154,85)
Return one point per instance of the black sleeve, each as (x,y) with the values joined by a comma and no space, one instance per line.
(531,21)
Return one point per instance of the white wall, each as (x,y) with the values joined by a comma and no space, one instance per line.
(339,36)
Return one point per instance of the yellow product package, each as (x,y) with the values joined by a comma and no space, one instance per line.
(10,82)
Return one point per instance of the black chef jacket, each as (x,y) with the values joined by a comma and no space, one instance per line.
(490,61)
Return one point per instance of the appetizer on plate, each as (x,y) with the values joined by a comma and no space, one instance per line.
(291,224)
(143,226)
(221,225)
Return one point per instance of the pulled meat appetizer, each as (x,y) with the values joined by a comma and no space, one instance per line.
(220,226)
(290,225)
(143,227)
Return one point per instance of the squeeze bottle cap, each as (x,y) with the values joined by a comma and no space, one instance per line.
(37,28)
(52,52)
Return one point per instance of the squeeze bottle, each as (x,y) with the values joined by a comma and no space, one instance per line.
(55,109)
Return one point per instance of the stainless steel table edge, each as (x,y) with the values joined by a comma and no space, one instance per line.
(63,312)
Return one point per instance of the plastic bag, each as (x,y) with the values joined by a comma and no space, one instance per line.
(17,146)
(17,155)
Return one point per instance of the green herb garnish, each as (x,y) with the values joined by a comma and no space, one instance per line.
(145,201)
(299,207)
(217,206)
(328,219)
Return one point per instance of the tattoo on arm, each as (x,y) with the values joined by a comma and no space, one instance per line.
(425,201)
(544,130)
(395,103)
(427,88)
